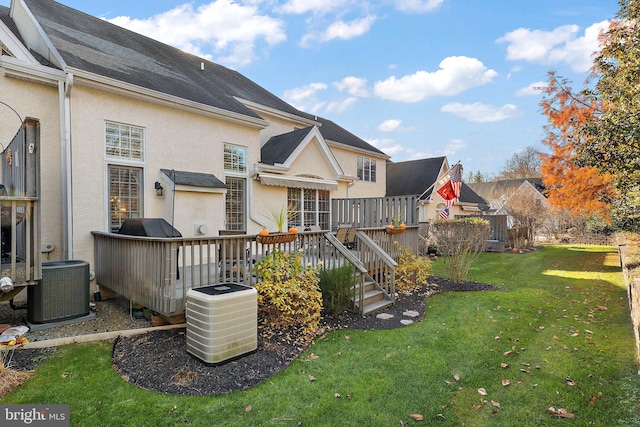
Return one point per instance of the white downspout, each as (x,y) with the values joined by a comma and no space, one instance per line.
(64,91)
(250,198)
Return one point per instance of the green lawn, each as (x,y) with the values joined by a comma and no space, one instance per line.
(559,321)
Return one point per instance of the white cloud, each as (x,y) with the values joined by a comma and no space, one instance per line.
(454,146)
(232,30)
(393,125)
(315,6)
(562,45)
(533,89)
(387,146)
(340,106)
(480,113)
(340,30)
(456,74)
(305,97)
(418,6)
(389,125)
(354,86)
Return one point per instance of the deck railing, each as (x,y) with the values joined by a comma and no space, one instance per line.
(21,260)
(158,272)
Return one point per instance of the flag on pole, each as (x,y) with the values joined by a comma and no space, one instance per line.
(449,188)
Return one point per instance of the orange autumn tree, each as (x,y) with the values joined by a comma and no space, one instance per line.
(578,189)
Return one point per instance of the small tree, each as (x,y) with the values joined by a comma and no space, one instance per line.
(460,241)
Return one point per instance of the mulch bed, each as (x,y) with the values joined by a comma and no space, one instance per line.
(158,360)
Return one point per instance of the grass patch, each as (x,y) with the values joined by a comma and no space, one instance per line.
(560,321)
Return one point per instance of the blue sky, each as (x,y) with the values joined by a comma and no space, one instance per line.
(415,78)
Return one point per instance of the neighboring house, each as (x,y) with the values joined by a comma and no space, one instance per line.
(419,178)
(131,127)
(498,193)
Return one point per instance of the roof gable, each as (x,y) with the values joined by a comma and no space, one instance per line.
(283,150)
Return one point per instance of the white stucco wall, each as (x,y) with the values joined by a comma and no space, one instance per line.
(174,140)
(348,161)
(41,102)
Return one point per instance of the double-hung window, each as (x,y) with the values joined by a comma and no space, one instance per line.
(235,168)
(366,169)
(124,152)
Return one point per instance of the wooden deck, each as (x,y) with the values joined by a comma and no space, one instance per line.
(158,272)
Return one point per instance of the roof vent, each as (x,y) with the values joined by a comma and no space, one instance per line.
(202,66)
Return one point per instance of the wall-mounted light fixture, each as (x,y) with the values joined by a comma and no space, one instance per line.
(159,189)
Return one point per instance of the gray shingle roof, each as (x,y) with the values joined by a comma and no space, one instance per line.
(97,46)
(412,177)
(278,148)
(494,189)
(194,179)
(415,176)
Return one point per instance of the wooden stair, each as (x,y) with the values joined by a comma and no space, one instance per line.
(374,299)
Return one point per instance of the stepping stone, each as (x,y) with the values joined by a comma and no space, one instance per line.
(411,313)
(406,321)
(384,316)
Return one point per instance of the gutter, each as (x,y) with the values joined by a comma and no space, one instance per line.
(64,91)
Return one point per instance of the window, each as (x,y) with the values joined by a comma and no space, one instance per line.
(235,203)
(366,169)
(125,195)
(235,158)
(308,207)
(124,141)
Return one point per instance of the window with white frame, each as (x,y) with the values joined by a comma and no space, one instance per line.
(235,204)
(366,169)
(125,195)
(308,207)
(124,141)
(124,151)
(235,158)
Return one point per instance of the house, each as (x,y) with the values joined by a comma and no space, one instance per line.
(498,193)
(523,203)
(131,128)
(419,178)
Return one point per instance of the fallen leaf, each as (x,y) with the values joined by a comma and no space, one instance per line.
(348,396)
(172,409)
(600,307)
(592,400)
(505,382)
(347,337)
(336,394)
(388,355)
(456,377)
(248,408)
(417,417)
(482,391)
(313,356)
(496,404)
(448,382)
(312,378)
(504,365)
(560,412)
(506,353)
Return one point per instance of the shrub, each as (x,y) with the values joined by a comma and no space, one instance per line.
(336,285)
(288,293)
(412,271)
(460,241)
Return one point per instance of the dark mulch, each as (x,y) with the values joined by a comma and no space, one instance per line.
(158,360)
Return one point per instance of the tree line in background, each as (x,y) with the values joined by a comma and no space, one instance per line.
(592,171)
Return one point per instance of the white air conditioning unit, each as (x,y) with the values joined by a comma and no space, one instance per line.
(222,322)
